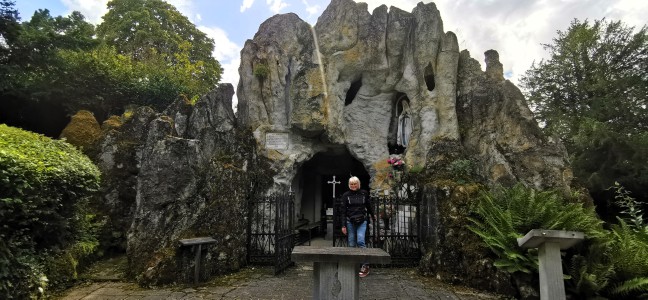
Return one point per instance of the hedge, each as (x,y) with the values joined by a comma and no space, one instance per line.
(45,186)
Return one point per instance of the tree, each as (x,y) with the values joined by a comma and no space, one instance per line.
(9,30)
(35,51)
(29,94)
(55,66)
(154,33)
(592,93)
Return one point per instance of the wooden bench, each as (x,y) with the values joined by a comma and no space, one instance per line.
(335,272)
(197,243)
(307,231)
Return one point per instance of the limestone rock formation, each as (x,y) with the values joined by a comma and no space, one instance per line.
(499,131)
(350,83)
(182,173)
(313,102)
(343,82)
(118,157)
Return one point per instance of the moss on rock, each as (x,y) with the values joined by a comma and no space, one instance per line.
(83,131)
(112,123)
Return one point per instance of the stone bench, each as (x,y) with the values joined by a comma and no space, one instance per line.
(335,272)
(197,243)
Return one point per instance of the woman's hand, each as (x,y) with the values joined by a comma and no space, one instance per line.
(344,230)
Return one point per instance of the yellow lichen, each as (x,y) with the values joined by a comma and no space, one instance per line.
(381,179)
(352,55)
(315,83)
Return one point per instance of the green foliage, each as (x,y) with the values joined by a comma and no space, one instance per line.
(155,33)
(45,185)
(261,71)
(630,250)
(615,265)
(591,93)
(631,209)
(631,286)
(462,170)
(595,71)
(32,52)
(144,53)
(9,28)
(506,214)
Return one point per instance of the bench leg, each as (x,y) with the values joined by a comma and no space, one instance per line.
(336,280)
(325,281)
(197,262)
(349,279)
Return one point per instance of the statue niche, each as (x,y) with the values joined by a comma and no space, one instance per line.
(400,126)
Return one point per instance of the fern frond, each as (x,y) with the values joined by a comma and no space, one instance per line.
(505,214)
(635,285)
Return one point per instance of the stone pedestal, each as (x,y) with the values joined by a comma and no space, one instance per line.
(549,244)
(335,272)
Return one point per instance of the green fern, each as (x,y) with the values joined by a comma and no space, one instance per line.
(591,271)
(506,214)
(630,251)
(637,285)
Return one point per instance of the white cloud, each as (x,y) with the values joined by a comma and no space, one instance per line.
(227,53)
(632,12)
(183,6)
(224,48)
(406,5)
(246,4)
(312,10)
(516,29)
(231,75)
(276,5)
(93,10)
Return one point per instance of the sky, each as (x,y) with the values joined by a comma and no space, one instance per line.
(515,28)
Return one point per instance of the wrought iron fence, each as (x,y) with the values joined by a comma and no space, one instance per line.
(270,231)
(396,229)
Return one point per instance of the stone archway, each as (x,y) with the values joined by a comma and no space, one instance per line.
(314,193)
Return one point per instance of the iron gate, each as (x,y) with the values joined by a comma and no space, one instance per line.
(271,235)
(396,229)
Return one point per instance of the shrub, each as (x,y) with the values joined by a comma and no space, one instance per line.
(45,185)
(462,170)
(629,248)
(261,71)
(506,214)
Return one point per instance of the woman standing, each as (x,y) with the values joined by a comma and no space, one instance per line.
(356,206)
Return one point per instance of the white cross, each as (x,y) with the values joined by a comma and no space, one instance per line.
(333,182)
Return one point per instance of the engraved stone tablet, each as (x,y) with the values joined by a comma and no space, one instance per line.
(276,141)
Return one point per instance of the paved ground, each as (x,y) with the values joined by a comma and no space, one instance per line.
(295,283)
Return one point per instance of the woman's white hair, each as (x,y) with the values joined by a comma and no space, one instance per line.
(354,179)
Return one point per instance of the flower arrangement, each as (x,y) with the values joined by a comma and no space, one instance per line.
(396,163)
(397,167)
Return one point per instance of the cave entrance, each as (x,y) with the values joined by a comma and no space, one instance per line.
(313,187)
